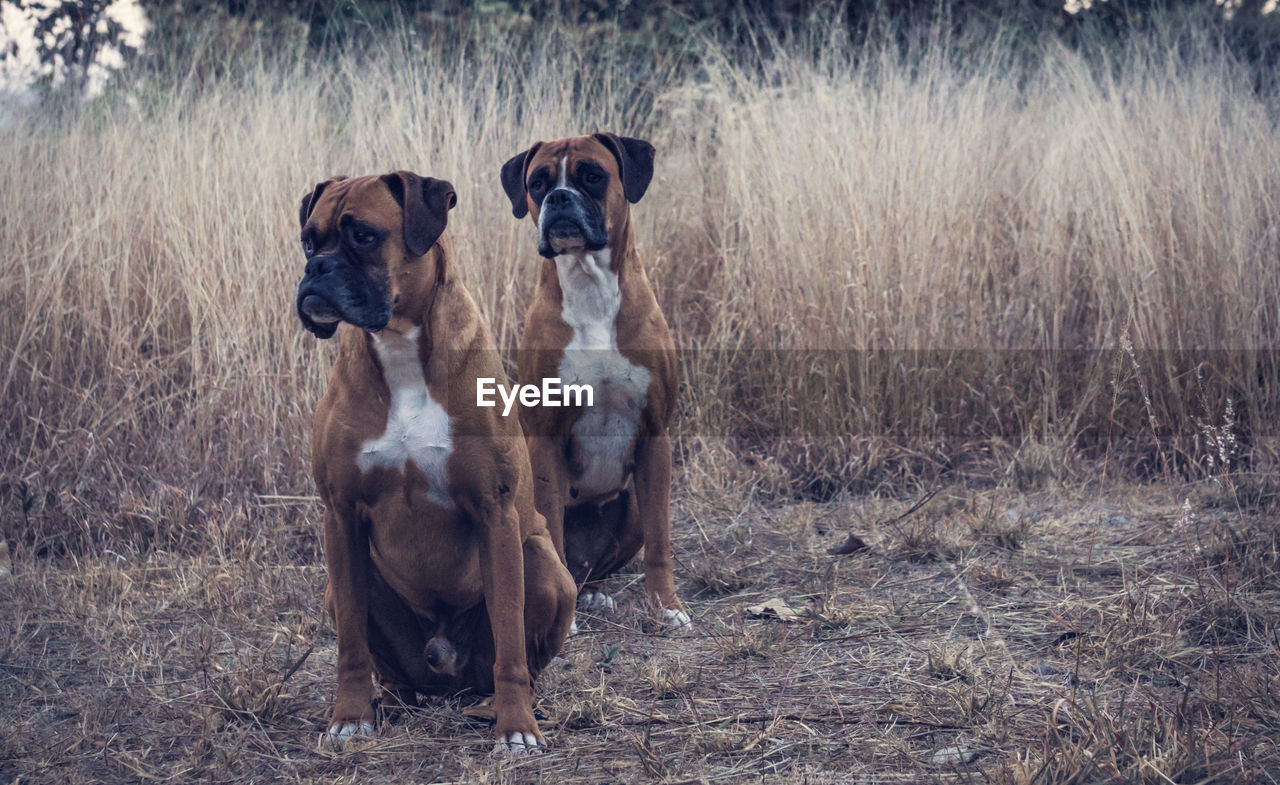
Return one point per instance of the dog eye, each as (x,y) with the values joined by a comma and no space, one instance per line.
(536,186)
(361,237)
(308,247)
(592,178)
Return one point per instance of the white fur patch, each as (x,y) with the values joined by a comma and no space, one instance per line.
(340,732)
(605,430)
(596,601)
(418,427)
(518,744)
(676,618)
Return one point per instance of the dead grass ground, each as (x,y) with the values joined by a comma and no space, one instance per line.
(1069,635)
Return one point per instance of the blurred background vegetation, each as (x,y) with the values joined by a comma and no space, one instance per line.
(1248,29)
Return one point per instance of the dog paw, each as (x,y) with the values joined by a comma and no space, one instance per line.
(596,601)
(573,629)
(518,744)
(676,619)
(340,732)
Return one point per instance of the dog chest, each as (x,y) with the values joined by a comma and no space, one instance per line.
(606,430)
(418,427)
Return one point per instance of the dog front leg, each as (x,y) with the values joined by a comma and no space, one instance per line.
(548,485)
(346,551)
(653,488)
(502,565)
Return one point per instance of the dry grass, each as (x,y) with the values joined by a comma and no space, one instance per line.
(1121,641)
(1021,277)
(916,258)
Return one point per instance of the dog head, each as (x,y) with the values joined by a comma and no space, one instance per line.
(578,190)
(371,249)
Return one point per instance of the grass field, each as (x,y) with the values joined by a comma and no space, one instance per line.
(994,636)
(1043,286)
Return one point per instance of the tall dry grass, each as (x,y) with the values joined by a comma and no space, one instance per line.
(916,252)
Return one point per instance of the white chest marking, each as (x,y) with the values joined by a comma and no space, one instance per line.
(605,430)
(417,426)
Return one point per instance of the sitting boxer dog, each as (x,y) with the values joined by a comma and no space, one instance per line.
(442,575)
(602,473)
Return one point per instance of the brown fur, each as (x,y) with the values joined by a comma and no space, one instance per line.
(599,536)
(402,568)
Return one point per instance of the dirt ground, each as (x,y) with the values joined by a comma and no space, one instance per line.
(1068,635)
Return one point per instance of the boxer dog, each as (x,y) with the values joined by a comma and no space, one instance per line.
(602,473)
(442,575)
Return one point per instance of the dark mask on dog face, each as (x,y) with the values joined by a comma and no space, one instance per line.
(577,190)
(359,235)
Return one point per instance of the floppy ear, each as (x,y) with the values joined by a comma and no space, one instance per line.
(513,172)
(309,200)
(425,202)
(635,161)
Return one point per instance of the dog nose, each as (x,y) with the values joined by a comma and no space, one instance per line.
(319,265)
(557,198)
